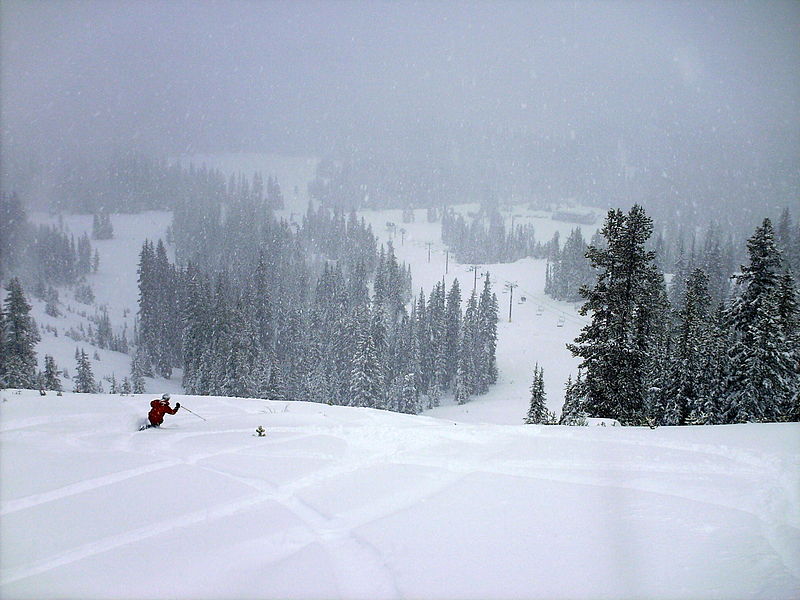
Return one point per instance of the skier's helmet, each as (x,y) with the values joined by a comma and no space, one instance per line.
(165,397)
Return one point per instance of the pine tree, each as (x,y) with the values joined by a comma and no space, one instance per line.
(789,318)
(276,390)
(470,352)
(537,413)
(487,323)
(659,377)
(2,345)
(166,345)
(762,370)
(714,265)
(125,387)
(568,270)
(366,385)
(614,346)
(717,368)
(573,412)
(241,376)
(137,376)
(196,325)
(423,333)
(84,255)
(437,319)
(52,381)
(409,398)
(84,378)
(20,336)
(687,382)
(452,328)
(461,388)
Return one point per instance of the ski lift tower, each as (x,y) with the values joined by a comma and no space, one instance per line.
(474,269)
(510,285)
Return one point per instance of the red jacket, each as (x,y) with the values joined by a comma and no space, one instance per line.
(158,409)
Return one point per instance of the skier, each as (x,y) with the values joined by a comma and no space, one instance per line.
(160,407)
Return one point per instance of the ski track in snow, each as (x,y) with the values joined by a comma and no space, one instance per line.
(360,569)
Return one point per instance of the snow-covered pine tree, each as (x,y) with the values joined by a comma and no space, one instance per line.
(762,370)
(125,387)
(240,376)
(537,412)
(19,340)
(379,283)
(573,412)
(276,390)
(569,269)
(658,376)
(166,345)
(84,255)
(195,324)
(84,378)
(263,303)
(680,273)
(2,342)
(789,317)
(409,398)
(471,349)
(787,235)
(452,328)
(423,333)
(379,331)
(687,378)
(102,228)
(437,319)
(713,263)
(717,368)
(487,324)
(366,384)
(137,376)
(614,345)
(52,381)
(148,326)
(396,293)
(461,387)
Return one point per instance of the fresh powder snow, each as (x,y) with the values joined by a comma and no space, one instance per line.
(338,502)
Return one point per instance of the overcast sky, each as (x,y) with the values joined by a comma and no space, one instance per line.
(300,76)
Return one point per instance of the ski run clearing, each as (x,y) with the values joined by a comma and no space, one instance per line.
(338,502)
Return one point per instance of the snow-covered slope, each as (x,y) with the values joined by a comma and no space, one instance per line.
(340,502)
(539,329)
(115,287)
(538,332)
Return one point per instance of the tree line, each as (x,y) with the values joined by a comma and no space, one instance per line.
(710,358)
(486,240)
(308,312)
(41,254)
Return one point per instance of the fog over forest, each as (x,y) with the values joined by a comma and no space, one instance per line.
(673,104)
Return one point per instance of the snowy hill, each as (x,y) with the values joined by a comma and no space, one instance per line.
(340,502)
(115,287)
(538,332)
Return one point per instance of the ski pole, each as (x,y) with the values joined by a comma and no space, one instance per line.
(194,413)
